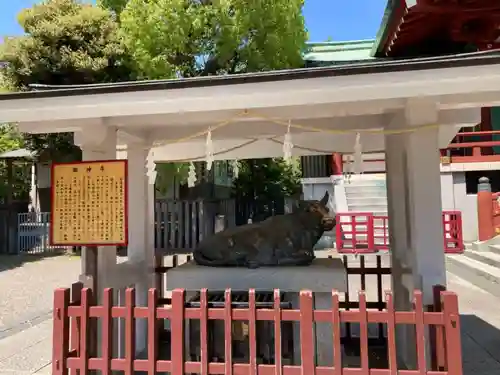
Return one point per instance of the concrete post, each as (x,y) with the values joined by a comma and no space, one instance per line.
(486,227)
(337,164)
(415,212)
(97,143)
(141,228)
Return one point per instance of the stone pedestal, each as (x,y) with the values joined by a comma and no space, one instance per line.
(321,277)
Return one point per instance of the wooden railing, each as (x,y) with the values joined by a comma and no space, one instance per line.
(475,146)
(466,147)
(364,232)
(182,224)
(74,343)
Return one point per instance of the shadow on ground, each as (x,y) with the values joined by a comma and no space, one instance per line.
(480,346)
(8,262)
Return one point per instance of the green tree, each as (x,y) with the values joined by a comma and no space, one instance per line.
(186,38)
(283,179)
(276,180)
(65,42)
(167,174)
(11,139)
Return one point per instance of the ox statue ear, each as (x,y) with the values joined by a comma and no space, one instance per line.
(324,200)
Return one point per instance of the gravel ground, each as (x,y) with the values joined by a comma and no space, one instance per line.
(27,285)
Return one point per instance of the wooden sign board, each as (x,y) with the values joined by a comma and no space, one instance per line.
(445,160)
(89,203)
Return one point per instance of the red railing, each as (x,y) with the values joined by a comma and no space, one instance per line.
(75,348)
(463,149)
(364,232)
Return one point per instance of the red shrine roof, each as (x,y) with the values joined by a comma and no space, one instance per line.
(412,28)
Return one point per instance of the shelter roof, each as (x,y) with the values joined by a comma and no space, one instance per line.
(329,53)
(372,66)
(21,153)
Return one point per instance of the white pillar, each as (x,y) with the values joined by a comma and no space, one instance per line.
(426,212)
(415,211)
(99,143)
(141,222)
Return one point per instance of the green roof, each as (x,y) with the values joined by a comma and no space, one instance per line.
(389,14)
(348,51)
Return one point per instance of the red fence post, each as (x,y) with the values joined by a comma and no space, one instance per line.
(75,331)
(370,232)
(129,331)
(152,330)
(486,229)
(460,231)
(177,332)
(453,232)
(60,332)
(87,344)
(449,303)
(438,360)
(339,243)
(306,332)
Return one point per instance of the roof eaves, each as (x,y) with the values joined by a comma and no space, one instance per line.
(392,14)
(365,67)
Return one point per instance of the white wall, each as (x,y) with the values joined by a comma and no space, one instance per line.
(467,203)
(454,197)
(314,189)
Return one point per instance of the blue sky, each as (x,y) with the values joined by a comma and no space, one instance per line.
(340,20)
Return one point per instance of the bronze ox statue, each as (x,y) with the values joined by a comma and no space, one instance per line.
(281,240)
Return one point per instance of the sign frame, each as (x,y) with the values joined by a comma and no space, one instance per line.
(125,202)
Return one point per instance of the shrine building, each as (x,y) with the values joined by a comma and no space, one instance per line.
(407,100)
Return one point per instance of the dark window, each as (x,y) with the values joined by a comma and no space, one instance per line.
(472,179)
(316,166)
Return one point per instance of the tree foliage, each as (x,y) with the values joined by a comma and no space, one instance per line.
(75,42)
(65,42)
(10,140)
(263,184)
(186,38)
(116,6)
(282,179)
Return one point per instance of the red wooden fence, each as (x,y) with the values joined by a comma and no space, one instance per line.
(72,341)
(364,232)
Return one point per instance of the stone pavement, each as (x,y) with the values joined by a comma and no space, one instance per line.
(26,325)
(26,292)
(480,324)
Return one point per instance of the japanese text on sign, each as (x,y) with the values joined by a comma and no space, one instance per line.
(89,203)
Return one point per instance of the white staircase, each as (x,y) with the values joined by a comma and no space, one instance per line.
(481,268)
(362,193)
(366,193)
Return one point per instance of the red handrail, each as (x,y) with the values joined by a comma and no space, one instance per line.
(480,133)
(364,232)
